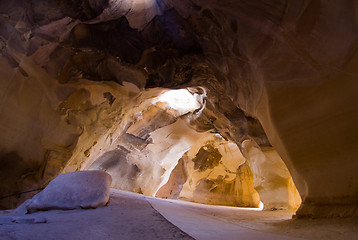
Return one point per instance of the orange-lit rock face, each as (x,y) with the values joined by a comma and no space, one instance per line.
(213,171)
(280,74)
(272,179)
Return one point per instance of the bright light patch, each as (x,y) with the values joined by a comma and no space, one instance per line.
(261,207)
(181,100)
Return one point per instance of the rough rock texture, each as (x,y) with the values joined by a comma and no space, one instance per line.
(282,74)
(272,179)
(292,65)
(145,169)
(82,189)
(213,171)
(142,148)
(174,186)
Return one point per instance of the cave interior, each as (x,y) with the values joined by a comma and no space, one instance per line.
(233,103)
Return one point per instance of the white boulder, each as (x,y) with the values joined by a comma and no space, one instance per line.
(82,189)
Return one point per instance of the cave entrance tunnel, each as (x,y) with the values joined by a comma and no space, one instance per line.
(164,153)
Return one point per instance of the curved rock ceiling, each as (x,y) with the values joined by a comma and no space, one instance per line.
(278,79)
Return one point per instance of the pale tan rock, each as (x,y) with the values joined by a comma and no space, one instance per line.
(174,186)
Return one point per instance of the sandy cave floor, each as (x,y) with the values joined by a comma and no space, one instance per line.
(134,216)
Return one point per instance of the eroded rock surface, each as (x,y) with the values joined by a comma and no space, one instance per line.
(213,171)
(272,179)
